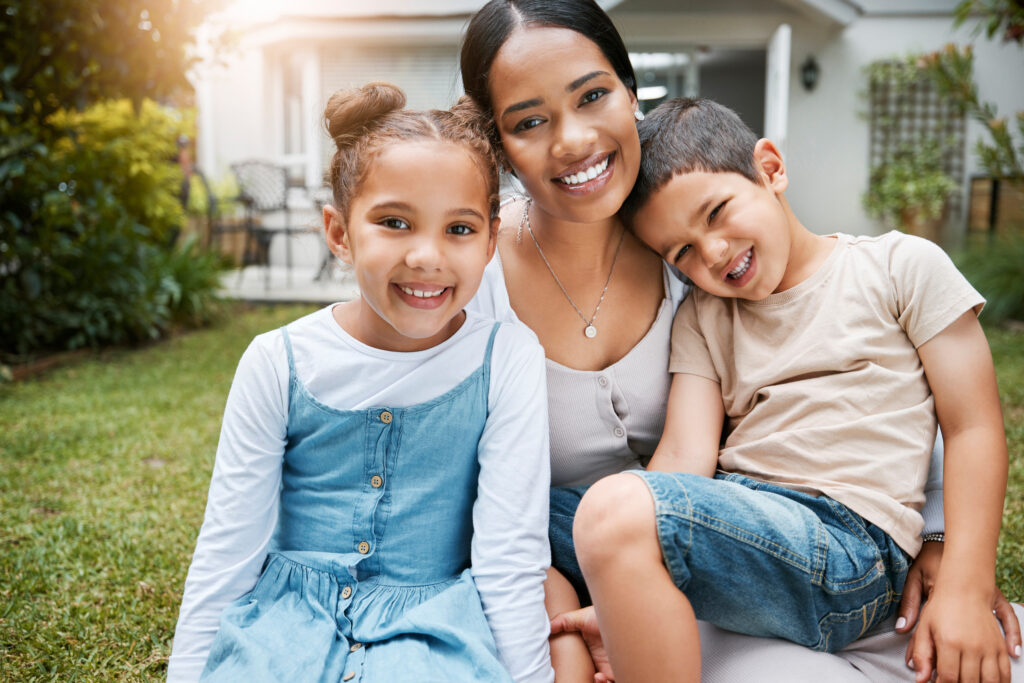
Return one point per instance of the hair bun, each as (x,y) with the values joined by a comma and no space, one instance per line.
(350,113)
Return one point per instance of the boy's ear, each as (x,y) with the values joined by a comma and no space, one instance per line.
(769,163)
(336,234)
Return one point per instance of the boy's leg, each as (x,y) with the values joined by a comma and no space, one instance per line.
(647,624)
(753,557)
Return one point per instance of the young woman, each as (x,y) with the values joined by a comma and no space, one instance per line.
(557,83)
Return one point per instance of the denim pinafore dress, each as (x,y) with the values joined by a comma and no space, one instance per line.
(368,575)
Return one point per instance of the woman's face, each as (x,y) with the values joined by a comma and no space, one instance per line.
(566,123)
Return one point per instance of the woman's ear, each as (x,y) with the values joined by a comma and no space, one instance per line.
(336,234)
(769,163)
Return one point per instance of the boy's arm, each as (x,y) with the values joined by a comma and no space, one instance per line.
(693,427)
(957,630)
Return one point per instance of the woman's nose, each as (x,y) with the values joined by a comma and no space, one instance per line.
(574,138)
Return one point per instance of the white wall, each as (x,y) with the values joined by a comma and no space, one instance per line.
(828,133)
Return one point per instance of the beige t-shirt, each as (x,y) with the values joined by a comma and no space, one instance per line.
(822,384)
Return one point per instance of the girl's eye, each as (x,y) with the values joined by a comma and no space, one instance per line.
(460,230)
(593,95)
(395,223)
(715,211)
(527,124)
(681,253)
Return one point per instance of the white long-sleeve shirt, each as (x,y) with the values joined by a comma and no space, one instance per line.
(510,551)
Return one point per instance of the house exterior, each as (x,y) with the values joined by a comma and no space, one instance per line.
(266,97)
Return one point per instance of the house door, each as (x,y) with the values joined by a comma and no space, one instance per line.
(776,95)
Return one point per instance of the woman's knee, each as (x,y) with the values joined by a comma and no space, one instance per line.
(615,519)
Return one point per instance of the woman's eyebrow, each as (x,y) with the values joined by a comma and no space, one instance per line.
(583,79)
(537,101)
(519,106)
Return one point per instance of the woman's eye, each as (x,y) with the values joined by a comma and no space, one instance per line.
(461,230)
(681,253)
(527,124)
(396,223)
(592,95)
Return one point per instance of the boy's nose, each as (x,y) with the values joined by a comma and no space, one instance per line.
(713,250)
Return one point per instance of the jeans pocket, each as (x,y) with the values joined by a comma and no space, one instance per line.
(839,629)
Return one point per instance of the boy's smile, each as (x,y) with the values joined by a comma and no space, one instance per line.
(732,237)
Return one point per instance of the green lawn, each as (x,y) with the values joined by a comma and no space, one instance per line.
(103,472)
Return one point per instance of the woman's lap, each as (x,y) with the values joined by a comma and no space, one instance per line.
(728,657)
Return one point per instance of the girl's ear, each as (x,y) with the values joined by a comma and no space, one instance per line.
(336,234)
(770,165)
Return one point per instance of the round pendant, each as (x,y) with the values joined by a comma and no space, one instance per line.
(590,331)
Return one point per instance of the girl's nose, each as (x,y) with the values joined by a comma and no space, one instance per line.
(574,138)
(427,253)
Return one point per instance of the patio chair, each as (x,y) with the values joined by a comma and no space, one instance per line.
(263,191)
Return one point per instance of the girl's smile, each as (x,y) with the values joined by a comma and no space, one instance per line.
(418,234)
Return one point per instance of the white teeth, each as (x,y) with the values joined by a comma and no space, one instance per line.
(739,270)
(419,293)
(585,175)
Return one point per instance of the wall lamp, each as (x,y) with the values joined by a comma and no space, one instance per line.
(809,73)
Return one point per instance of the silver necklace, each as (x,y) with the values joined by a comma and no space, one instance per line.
(589,331)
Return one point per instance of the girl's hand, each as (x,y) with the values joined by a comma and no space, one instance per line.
(585,622)
(958,639)
(918,587)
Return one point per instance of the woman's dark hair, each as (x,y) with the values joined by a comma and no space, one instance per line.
(494,23)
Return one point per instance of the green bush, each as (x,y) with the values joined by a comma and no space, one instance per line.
(994,268)
(84,230)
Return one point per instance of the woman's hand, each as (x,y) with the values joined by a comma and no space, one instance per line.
(585,622)
(919,585)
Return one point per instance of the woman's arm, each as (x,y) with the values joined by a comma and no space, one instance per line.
(241,509)
(957,632)
(510,517)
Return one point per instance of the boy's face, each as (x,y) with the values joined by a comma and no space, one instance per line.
(729,235)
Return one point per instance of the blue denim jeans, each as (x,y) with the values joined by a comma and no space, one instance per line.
(564,501)
(764,560)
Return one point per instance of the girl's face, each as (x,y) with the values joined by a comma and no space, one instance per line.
(418,235)
(566,123)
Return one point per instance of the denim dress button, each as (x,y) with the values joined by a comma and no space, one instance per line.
(346,592)
(355,646)
(386,417)
(376,481)
(349,676)
(363,548)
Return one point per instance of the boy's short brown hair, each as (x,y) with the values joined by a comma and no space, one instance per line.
(684,135)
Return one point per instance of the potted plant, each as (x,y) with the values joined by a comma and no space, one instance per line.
(909,191)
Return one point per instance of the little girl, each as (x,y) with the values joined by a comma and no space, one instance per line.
(378,506)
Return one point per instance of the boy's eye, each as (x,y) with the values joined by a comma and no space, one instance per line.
(715,211)
(395,223)
(527,124)
(461,230)
(593,95)
(681,253)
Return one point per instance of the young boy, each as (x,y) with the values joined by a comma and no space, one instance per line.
(830,357)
